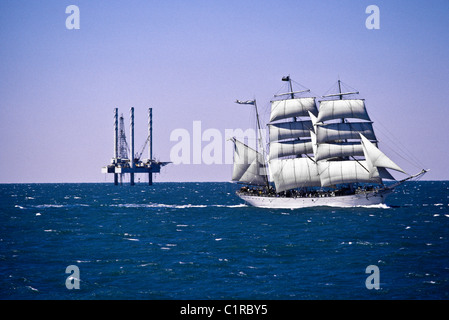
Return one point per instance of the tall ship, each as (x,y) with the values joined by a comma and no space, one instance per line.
(326,156)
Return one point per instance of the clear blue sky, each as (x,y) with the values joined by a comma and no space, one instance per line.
(190,60)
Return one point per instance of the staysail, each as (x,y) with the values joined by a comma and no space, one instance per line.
(376,158)
(249,165)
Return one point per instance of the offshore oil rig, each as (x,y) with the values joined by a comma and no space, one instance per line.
(123,153)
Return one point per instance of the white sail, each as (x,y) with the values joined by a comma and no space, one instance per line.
(294,173)
(290,130)
(342,131)
(338,109)
(248,165)
(314,144)
(335,172)
(252,174)
(283,109)
(376,158)
(280,149)
(384,174)
(313,118)
(333,150)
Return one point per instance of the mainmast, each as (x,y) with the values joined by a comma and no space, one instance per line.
(291,92)
(287,78)
(290,135)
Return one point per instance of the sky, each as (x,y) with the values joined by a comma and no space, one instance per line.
(190,60)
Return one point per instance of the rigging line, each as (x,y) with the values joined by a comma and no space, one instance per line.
(303,89)
(302,86)
(345,85)
(266,112)
(280,89)
(401,147)
(406,159)
(334,88)
(310,158)
(337,89)
(360,163)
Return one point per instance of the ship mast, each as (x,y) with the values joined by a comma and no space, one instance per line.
(339,89)
(292,94)
(340,93)
(261,144)
(341,98)
(290,140)
(259,133)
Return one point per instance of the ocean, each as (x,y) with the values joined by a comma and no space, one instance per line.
(195,241)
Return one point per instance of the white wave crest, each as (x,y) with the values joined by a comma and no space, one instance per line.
(375,206)
(175,206)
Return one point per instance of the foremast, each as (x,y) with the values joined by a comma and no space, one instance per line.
(346,145)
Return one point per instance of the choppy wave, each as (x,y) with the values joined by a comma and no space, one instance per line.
(210,245)
(175,206)
(46,206)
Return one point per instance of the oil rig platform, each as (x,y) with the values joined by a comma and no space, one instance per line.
(121,162)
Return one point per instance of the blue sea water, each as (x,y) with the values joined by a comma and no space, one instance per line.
(200,241)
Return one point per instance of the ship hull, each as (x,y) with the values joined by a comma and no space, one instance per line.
(353,200)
